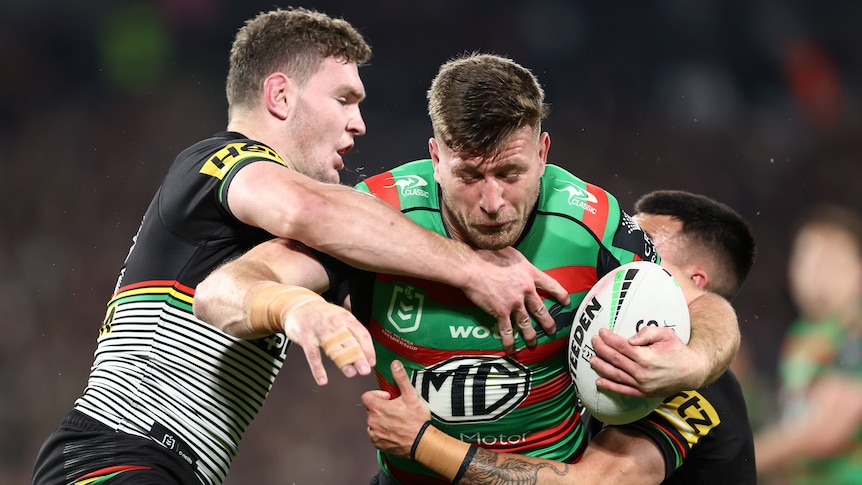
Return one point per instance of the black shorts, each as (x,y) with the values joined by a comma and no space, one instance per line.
(82,448)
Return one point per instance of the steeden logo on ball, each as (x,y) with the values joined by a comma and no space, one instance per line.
(625,300)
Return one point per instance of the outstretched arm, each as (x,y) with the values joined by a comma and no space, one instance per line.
(273,289)
(370,234)
(656,363)
(397,426)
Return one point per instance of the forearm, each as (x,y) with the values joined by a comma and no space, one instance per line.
(220,298)
(471,465)
(616,455)
(224,298)
(370,234)
(714,335)
(346,223)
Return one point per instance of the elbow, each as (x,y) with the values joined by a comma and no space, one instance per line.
(204,305)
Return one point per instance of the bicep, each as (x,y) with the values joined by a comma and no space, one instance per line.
(269,196)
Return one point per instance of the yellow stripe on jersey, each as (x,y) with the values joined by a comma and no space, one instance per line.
(149,290)
(691,414)
(223,160)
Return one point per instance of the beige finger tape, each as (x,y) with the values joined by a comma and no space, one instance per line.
(342,348)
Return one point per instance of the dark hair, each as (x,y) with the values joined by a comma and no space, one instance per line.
(294,41)
(714,226)
(833,215)
(477,101)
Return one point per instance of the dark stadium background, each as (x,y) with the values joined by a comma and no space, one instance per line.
(755,103)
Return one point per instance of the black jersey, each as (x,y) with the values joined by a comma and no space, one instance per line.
(159,372)
(704,435)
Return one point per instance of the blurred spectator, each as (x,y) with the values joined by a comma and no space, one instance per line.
(818,439)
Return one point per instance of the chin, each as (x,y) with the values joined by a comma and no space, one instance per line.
(493,242)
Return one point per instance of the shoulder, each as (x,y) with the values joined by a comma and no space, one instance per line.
(567,192)
(409,185)
(226,152)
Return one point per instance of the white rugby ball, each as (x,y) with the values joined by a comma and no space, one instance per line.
(624,300)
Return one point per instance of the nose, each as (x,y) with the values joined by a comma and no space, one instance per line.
(356,125)
(491,196)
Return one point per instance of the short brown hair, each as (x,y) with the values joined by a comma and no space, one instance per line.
(477,101)
(294,41)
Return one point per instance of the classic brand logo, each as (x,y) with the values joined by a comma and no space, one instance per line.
(409,185)
(473,389)
(580,197)
(405,308)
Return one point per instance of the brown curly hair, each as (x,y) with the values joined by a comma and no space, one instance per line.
(294,41)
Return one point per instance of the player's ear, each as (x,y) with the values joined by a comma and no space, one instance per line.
(434,151)
(544,148)
(278,93)
(699,277)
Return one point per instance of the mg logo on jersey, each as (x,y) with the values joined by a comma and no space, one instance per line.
(580,197)
(405,308)
(473,389)
(409,185)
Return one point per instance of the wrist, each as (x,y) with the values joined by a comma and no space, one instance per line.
(442,453)
(266,306)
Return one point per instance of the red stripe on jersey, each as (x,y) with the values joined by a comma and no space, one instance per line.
(387,386)
(111,469)
(427,356)
(156,284)
(424,356)
(383,186)
(682,449)
(413,478)
(597,222)
(539,353)
(574,279)
(549,436)
(545,391)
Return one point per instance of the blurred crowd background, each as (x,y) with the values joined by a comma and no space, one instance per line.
(754,103)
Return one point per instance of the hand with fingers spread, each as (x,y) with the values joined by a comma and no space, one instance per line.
(322,325)
(646,364)
(508,288)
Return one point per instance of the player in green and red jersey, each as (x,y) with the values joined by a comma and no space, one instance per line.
(817,437)
(487,184)
(696,437)
(522,401)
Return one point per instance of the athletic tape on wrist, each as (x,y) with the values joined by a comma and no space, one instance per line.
(442,453)
(418,439)
(266,308)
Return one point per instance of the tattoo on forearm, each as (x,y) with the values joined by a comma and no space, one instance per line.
(488,468)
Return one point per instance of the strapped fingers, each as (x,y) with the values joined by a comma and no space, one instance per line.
(342,348)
